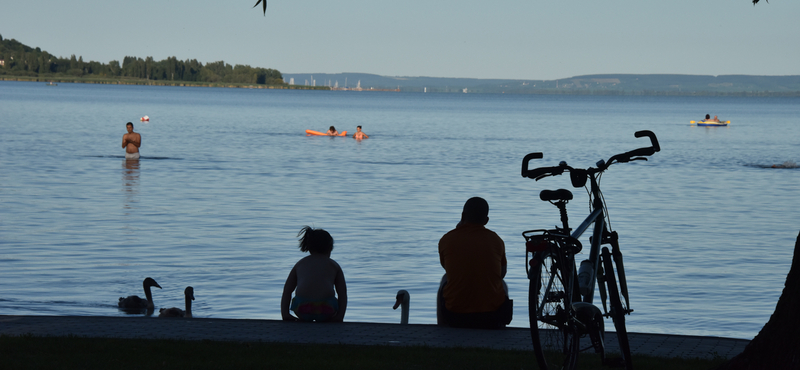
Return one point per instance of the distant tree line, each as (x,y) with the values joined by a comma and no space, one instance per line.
(21,60)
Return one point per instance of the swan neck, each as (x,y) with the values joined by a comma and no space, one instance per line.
(149,295)
(188,306)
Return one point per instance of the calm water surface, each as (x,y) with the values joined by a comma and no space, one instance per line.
(227,179)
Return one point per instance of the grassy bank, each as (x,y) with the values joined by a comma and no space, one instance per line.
(136,81)
(29,352)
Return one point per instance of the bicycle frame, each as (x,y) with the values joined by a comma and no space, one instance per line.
(597,217)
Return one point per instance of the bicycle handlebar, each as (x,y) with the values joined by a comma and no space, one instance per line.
(540,172)
(636,154)
(527,159)
(631,155)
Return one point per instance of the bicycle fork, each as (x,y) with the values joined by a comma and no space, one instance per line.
(623,283)
(609,238)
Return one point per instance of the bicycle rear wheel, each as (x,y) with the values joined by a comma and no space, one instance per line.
(617,310)
(553,328)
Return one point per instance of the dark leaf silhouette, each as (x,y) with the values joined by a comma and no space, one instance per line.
(265,5)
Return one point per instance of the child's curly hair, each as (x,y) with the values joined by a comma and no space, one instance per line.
(315,240)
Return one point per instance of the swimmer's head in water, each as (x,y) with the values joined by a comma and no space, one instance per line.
(332,128)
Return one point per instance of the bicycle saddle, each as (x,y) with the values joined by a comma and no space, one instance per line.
(560,194)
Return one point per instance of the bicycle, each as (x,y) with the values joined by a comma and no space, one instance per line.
(560,296)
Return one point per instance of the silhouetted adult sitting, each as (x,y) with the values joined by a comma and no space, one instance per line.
(472,293)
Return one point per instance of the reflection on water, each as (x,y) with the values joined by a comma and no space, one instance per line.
(130,182)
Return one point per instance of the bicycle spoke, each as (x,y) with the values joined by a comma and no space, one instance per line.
(553,330)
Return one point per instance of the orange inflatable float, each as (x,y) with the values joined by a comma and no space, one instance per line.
(317,133)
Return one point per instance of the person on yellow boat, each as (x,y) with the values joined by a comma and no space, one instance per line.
(709,119)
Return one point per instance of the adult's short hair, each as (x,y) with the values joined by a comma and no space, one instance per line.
(476,209)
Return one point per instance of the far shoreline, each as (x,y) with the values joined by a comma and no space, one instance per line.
(127,81)
(135,81)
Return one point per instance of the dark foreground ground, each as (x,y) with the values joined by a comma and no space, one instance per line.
(349,333)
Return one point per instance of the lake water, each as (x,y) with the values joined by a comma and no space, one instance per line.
(227,179)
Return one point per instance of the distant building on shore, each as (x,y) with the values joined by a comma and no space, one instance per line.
(359,88)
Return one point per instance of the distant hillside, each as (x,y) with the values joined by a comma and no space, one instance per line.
(20,60)
(411,84)
(606,84)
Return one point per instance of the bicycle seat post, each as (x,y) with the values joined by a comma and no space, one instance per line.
(562,208)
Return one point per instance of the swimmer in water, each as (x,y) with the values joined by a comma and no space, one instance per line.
(787,164)
(359,135)
(131,142)
(332,132)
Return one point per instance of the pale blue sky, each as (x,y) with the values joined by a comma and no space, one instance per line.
(514,39)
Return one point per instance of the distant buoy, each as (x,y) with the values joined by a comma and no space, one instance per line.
(145,118)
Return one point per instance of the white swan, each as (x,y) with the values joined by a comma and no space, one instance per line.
(177,312)
(403,299)
(135,304)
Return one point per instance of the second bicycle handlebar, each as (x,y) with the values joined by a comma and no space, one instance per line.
(635,154)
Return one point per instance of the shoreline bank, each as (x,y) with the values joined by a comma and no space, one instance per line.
(356,333)
(158,83)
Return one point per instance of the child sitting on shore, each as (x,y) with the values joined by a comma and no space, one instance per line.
(314,279)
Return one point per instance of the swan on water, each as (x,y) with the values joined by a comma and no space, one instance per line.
(135,304)
(403,299)
(177,312)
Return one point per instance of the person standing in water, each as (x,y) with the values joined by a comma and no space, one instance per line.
(131,142)
(359,135)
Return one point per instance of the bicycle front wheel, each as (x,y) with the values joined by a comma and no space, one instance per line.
(553,328)
(617,311)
